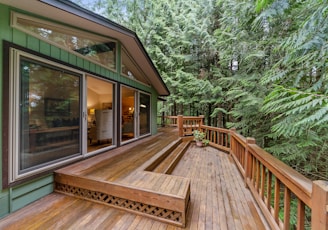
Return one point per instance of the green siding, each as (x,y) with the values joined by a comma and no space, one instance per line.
(33,43)
(45,48)
(72,59)
(19,196)
(24,194)
(4,203)
(64,56)
(19,38)
(54,52)
(79,62)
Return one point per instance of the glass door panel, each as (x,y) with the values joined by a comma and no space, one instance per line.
(144,114)
(49,114)
(128,112)
(100,114)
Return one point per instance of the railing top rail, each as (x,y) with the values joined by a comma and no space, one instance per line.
(241,139)
(222,130)
(296,182)
(193,118)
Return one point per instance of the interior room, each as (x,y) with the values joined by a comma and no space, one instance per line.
(100,113)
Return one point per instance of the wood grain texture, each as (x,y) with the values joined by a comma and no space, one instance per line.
(218,197)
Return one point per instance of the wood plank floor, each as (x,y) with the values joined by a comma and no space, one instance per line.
(219,199)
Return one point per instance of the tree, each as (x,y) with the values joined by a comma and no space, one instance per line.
(259,67)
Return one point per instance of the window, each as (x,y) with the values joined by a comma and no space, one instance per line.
(144,114)
(131,70)
(45,108)
(128,113)
(100,50)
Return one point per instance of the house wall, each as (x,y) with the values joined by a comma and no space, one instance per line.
(16,197)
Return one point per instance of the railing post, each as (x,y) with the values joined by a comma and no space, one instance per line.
(319,216)
(180,125)
(201,121)
(231,144)
(248,159)
(163,120)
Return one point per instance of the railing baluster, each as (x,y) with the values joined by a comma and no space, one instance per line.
(287,196)
(300,215)
(263,176)
(269,189)
(276,200)
(254,171)
(258,174)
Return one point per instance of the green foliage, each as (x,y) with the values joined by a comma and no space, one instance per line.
(260,67)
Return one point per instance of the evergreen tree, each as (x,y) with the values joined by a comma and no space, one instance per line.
(259,67)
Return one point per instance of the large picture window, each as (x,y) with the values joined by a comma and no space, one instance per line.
(46,108)
(98,49)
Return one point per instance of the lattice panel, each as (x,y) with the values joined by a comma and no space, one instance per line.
(122,203)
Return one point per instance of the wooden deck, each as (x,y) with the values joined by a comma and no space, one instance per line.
(218,197)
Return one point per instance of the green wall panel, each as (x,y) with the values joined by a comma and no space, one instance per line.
(34,185)
(6,31)
(4,203)
(45,48)
(19,38)
(55,52)
(64,55)
(33,43)
(30,197)
(86,64)
(72,59)
(92,67)
(79,62)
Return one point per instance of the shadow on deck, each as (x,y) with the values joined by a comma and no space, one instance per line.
(162,177)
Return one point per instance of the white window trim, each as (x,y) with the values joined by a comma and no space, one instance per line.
(14,139)
(14,24)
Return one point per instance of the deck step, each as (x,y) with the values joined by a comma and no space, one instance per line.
(167,165)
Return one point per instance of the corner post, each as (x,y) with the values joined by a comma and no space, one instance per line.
(248,159)
(319,205)
(232,141)
(180,125)
(201,120)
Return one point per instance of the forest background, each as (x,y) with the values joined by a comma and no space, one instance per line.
(260,67)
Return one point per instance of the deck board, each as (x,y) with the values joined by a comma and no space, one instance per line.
(219,199)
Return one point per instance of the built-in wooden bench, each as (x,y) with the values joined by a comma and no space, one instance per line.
(157,195)
(166,164)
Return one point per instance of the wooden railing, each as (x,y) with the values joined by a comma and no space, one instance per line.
(278,189)
(187,125)
(171,121)
(218,137)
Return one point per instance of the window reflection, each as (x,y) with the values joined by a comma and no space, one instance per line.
(49,114)
(98,49)
(144,114)
(128,110)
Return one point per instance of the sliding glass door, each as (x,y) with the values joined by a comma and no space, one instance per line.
(135,108)
(100,107)
(144,114)
(45,108)
(128,96)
